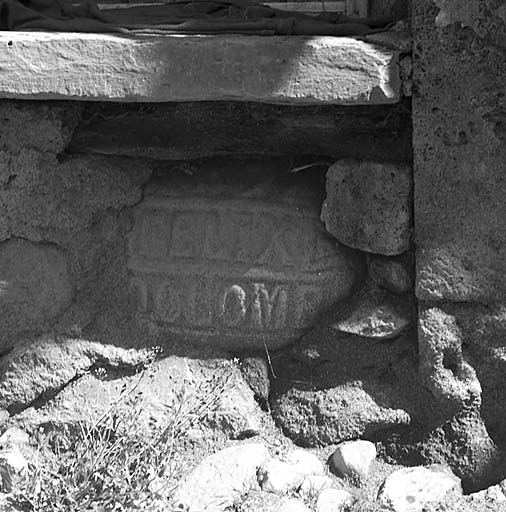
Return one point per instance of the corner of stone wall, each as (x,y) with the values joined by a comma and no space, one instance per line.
(459,119)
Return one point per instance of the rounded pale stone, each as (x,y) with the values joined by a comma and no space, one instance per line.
(353,458)
(236,261)
(14,436)
(333,500)
(279,477)
(34,285)
(368,206)
(411,489)
(12,465)
(293,505)
(221,479)
(304,462)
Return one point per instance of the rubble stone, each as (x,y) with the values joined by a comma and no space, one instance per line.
(368,206)
(411,489)
(353,459)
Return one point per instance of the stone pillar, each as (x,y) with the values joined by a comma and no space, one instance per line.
(459,140)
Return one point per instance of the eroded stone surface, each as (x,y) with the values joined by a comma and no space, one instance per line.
(443,367)
(459,151)
(375,313)
(476,334)
(332,387)
(39,126)
(39,368)
(330,416)
(368,206)
(34,287)
(411,489)
(235,261)
(196,68)
(89,378)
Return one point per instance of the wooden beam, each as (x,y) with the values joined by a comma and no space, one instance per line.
(186,131)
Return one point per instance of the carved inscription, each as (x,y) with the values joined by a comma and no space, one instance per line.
(222,269)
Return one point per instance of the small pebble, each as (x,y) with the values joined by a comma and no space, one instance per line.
(353,458)
(333,500)
(12,465)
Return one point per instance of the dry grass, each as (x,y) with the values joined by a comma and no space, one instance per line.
(116,462)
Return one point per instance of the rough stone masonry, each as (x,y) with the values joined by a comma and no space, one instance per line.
(201,229)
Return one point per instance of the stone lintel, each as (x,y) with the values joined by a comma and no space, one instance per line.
(277,69)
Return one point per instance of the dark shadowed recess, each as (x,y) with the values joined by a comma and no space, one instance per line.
(183,131)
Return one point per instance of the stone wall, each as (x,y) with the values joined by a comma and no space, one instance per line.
(459,108)
(169,225)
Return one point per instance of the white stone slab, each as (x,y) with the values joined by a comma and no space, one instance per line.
(278,69)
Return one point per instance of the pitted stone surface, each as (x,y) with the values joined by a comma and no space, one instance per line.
(331,387)
(34,287)
(459,152)
(304,70)
(42,126)
(411,489)
(443,366)
(368,206)
(235,261)
(376,313)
